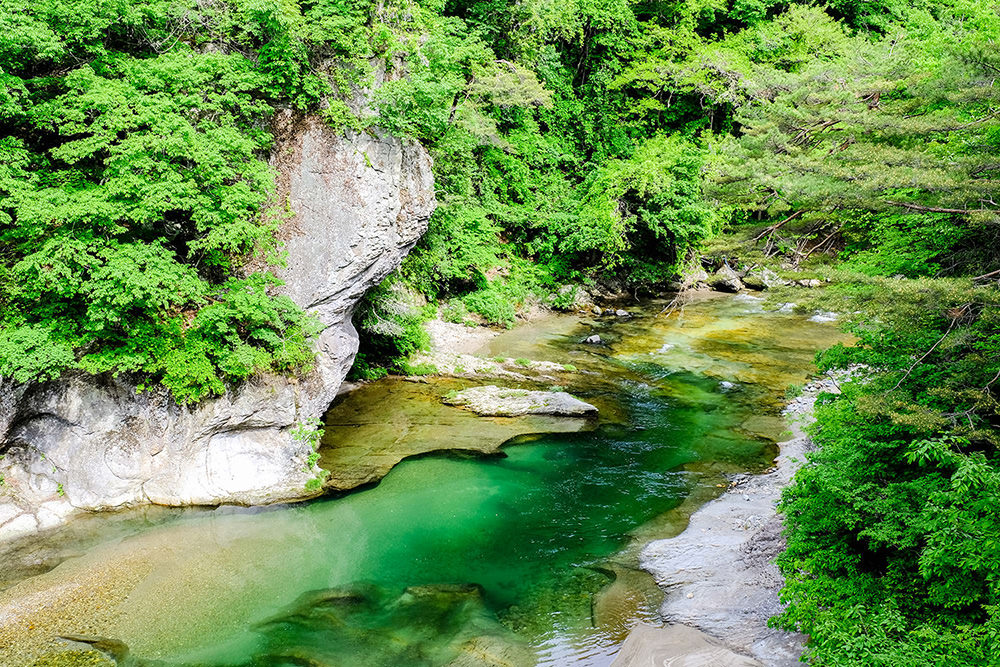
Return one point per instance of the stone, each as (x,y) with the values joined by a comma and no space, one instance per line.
(593,340)
(762,279)
(24,524)
(693,276)
(8,511)
(678,646)
(361,201)
(621,313)
(412,421)
(726,280)
(597,311)
(573,297)
(52,513)
(809,282)
(493,401)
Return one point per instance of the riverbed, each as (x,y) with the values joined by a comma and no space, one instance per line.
(492,541)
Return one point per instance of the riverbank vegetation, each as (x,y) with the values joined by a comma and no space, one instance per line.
(575,143)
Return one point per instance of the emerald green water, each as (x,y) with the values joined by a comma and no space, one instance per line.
(527,529)
(454,559)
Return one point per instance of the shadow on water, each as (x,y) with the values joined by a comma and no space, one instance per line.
(522,558)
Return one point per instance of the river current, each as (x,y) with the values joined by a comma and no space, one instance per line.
(522,558)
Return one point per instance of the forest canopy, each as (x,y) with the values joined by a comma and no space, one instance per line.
(571,140)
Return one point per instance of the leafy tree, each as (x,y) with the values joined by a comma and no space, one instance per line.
(132,188)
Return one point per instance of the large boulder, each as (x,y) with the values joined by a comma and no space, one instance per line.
(496,401)
(360,203)
(762,278)
(726,280)
(693,277)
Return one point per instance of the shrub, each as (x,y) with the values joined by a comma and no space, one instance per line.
(494,307)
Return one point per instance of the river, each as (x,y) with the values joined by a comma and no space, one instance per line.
(525,556)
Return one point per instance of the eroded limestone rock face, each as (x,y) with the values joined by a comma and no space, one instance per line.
(360,204)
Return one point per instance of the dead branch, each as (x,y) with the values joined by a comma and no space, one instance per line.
(987,275)
(774,228)
(935,209)
(819,245)
(933,347)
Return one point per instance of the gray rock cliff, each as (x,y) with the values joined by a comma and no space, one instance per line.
(81,443)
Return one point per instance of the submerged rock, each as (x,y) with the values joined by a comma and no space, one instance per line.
(361,201)
(442,624)
(496,401)
(593,340)
(679,646)
(726,280)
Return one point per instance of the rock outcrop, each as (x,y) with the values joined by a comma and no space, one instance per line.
(493,401)
(360,203)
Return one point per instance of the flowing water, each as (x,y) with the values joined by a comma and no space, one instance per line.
(520,558)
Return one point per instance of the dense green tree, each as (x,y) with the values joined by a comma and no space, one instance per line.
(133,182)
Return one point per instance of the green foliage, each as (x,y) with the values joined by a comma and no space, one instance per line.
(645,212)
(133,189)
(492,306)
(893,550)
(309,432)
(902,124)
(391,323)
(408,368)
(903,244)
(454,311)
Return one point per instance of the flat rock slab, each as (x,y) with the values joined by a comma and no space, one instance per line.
(676,646)
(493,401)
(370,430)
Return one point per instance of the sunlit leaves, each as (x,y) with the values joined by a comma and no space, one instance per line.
(133,182)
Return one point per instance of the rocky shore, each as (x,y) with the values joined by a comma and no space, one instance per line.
(720,577)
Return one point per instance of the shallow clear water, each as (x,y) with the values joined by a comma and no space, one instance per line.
(516,559)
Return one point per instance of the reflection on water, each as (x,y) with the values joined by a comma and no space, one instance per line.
(522,559)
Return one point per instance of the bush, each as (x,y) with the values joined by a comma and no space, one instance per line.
(392,327)
(494,307)
(454,311)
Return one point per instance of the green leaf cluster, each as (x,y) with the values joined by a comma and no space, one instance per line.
(133,185)
(893,552)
